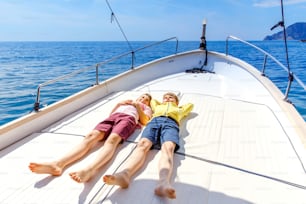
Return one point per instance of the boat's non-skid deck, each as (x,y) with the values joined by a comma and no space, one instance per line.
(19,185)
(226,155)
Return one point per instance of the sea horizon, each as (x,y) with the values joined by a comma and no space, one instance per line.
(25,65)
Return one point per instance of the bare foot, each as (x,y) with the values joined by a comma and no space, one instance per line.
(119,179)
(46,168)
(165,190)
(82,176)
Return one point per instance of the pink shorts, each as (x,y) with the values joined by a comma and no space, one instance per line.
(122,124)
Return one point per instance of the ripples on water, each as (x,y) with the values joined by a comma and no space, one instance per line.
(25,65)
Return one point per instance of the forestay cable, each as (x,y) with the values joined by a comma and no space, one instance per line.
(113,17)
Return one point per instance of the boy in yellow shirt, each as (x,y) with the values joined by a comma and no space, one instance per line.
(162,129)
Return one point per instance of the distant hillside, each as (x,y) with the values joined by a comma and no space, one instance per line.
(296,31)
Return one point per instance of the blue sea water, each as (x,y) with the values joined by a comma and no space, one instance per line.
(25,65)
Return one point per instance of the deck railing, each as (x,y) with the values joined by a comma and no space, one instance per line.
(291,75)
(96,67)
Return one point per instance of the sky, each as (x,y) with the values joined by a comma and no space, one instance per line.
(143,20)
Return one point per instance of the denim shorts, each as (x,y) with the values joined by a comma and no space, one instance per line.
(162,129)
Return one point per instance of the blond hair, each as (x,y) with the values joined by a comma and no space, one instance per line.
(172,94)
(147,94)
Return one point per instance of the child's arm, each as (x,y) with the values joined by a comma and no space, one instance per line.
(144,116)
(186,109)
(154,103)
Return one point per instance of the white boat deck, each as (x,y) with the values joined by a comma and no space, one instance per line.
(228,152)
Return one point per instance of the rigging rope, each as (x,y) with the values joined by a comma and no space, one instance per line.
(282,24)
(290,74)
(285,37)
(113,17)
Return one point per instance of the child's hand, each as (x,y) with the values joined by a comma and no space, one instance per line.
(126,102)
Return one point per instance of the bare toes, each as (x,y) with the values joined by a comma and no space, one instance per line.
(119,179)
(168,192)
(75,177)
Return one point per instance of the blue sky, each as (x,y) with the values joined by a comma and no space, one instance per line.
(90,20)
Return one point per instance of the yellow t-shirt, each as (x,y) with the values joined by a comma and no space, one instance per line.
(170,109)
